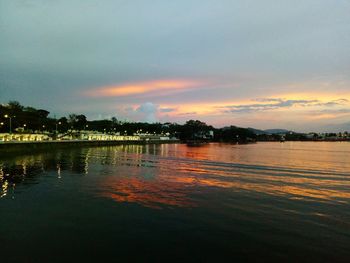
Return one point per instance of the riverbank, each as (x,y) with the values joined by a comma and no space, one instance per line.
(16,147)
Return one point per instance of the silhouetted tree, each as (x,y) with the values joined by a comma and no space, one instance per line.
(15,106)
(194,129)
(80,122)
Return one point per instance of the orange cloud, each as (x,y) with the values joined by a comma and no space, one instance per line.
(143,87)
(284,107)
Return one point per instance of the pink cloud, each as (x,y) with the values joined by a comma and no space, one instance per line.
(137,88)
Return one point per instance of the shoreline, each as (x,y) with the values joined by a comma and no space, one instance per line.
(15,147)
(30,146)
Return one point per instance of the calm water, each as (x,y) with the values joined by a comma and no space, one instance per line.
(158,203)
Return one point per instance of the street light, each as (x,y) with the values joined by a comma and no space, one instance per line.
(7,116)
(59,123)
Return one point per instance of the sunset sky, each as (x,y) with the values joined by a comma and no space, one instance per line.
(263,64)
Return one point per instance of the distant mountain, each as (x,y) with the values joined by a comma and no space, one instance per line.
(276,131)
(342,127)
(269,131)
(256,131)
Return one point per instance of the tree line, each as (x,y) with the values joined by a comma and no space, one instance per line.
(29,119)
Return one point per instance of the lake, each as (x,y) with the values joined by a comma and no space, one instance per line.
(171,202)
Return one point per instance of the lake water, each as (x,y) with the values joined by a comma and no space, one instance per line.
(157,203)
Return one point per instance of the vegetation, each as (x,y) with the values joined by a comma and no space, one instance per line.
(21,119)
(28,119)
(236,134)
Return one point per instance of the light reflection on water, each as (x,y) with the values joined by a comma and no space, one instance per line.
(270,181)
(275,169)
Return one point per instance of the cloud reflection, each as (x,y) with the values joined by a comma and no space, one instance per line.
(153,194)
(158,176)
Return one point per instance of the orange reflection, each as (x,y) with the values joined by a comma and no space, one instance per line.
(273,185)
(292,170)
(301,174)
(152,194)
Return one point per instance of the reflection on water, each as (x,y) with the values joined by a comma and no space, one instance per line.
(148,193)
(165,174)
(286,201)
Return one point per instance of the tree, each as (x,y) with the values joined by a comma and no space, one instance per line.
(194,129)
(81,122)
(114,120)
(72,118)
(62,124)
(235,134)
(15,105)
(43,113)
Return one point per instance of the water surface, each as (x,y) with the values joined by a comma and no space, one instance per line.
(170,202)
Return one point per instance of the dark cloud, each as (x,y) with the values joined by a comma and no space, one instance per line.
(334,103)
(188,113)
(268,100)
(53,51)
(331,111)
(167,109)
(277,103)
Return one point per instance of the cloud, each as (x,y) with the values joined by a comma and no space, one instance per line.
(268,100)
(267,106)
(339,111)
(331,111)
(278,103)
(167,109)
(148,111)
(145,112)
(185,56)
(334,103)
(188,113)
(155,86)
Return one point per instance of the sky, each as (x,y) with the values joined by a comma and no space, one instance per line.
(263,64)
